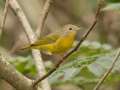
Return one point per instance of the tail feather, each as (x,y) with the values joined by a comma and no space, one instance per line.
(29,47)
(25,48)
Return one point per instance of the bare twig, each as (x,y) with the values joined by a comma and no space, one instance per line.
(13,77)
(43,16)
(5,12)
(73,50)
(107,73)
(32,38)
(41,23)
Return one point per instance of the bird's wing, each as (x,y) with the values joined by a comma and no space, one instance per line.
(51,38)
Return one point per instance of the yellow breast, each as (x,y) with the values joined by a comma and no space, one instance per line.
(64,43)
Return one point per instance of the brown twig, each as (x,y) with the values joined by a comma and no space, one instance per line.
(5,12)
(107,73)
(73,50)
(43,16)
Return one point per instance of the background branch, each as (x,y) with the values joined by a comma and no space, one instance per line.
(13,77)
(5,12)
(74,49)
(43,16)
(41,23)
(107,73)
(32,38)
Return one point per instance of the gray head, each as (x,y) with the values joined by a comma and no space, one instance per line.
(70,30)
(71,27)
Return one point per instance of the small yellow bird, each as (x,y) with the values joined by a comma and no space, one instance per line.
(56,43)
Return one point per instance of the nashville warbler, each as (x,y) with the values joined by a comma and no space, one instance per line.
(56,43)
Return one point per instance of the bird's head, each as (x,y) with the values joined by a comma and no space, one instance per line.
(70,27)
(71,30)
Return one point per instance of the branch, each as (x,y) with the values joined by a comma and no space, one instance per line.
(16,79)
(32,38)
(107,73)
(43,16)
(74,49)
(41,23)
(5,12)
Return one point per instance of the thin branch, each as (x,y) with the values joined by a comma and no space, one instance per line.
(41,23)
(13,77)
(107,73)
(73,50)
(43,16)
(5,12)
(32,38)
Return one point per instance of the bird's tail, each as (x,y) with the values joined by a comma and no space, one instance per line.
(25,48)
(31,46)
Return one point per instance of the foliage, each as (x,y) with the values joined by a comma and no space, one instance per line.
(24,65)
(112,6)
(2,3)
(113,1)
(82,68)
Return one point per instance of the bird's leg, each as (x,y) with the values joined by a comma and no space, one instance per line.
(57,57)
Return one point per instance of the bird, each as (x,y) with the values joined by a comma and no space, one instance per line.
(56,43)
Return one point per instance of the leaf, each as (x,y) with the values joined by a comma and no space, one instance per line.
(112,6)
(83,68)
(113,1)
(24,65)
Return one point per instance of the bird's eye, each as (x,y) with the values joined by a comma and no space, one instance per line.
(70,28)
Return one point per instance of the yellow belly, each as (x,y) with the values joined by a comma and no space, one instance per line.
(63,44)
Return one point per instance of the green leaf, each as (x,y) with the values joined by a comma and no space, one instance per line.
(113,1)
(24,65)
(112,6)
(83,68)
